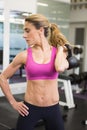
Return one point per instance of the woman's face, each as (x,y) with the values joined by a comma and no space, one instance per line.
(31,34)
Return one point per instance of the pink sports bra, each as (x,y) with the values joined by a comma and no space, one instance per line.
(35,71)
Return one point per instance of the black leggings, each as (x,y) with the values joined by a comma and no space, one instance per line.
(50,115)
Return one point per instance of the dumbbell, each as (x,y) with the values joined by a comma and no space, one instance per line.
(77,50)
(73,61)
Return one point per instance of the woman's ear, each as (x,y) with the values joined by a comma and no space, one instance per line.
(41,30)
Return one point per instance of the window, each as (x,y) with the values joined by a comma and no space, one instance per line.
(79,36)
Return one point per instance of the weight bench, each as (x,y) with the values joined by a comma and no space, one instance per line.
(68,91)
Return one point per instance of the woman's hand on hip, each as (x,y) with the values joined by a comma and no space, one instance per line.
(21,108)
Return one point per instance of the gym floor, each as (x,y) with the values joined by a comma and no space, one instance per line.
(73,121)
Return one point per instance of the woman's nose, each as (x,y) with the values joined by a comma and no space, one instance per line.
(24,35)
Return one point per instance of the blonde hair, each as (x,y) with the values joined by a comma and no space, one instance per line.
(51,30)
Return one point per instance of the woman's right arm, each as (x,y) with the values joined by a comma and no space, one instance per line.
(6,74)
(61,63)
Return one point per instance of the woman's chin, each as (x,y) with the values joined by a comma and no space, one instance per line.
(31,45)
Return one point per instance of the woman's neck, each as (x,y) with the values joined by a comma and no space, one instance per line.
(43,45)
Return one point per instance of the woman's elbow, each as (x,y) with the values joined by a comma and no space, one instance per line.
(59,69)
(62,68)
(2,79)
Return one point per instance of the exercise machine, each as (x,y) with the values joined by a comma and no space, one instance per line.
(68,92)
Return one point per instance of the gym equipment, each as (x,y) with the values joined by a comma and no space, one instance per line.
(80,80)
(68,92)
(75,78)
(69,50)
(78,53)
(77,50)
(73,61)
(75,82)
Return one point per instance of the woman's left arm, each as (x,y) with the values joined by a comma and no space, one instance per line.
(61,63)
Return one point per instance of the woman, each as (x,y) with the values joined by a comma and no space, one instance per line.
(43,60)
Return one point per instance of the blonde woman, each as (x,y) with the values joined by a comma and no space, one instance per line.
(44,59)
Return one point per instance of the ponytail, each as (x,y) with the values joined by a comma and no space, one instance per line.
(56,37)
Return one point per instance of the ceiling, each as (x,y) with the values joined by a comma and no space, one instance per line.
(2,2)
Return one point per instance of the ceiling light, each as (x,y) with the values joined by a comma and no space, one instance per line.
(42,4)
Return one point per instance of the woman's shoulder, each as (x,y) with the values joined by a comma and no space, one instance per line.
(21,56)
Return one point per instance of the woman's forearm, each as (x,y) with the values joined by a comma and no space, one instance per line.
(61,62)
(6,89)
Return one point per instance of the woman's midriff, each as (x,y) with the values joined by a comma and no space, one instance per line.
(42,92)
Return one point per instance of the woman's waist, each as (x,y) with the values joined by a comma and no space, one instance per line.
(42,102)
(42,89)
(42,99)
(42,92)
(37,106)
